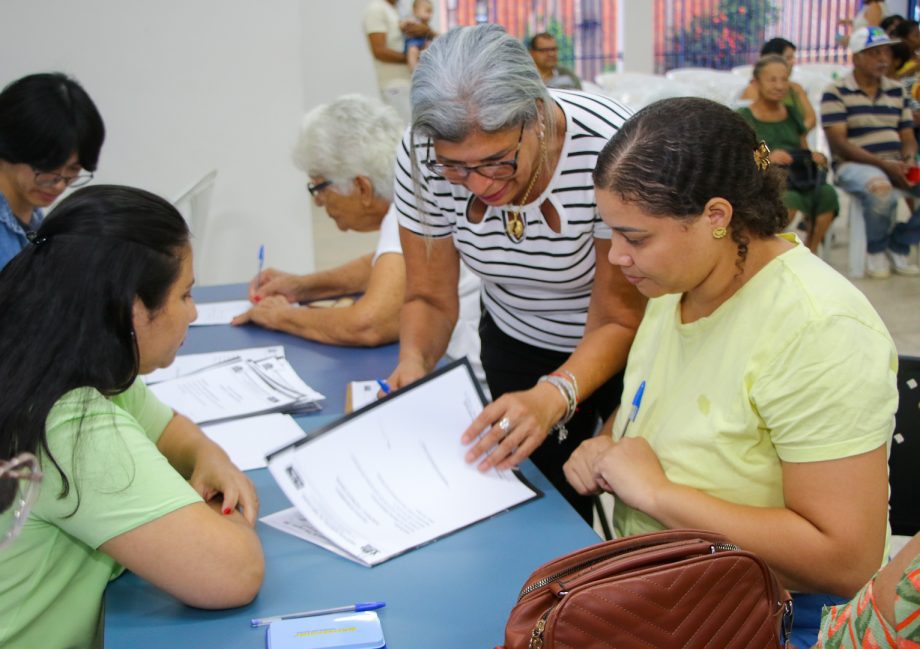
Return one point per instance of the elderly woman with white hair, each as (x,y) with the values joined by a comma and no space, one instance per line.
(495,170)
(347,149)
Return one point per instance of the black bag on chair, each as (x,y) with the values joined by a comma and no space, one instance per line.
(804,174)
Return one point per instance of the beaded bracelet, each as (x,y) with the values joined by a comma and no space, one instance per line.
(568,388)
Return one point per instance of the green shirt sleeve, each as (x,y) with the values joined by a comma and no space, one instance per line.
(118,478)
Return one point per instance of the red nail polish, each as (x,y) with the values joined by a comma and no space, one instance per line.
(227,511)
(257,299)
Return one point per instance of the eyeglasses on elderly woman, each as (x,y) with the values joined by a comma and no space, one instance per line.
(19,480)
(458,173)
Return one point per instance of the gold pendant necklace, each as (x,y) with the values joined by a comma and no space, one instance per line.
(516,224)
(515,227)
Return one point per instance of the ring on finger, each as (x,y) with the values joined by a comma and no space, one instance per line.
(504,424)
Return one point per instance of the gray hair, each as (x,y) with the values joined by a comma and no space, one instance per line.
(350,137)
(476,78)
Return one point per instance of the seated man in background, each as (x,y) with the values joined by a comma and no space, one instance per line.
(545,53)
(347,148)
(868,125)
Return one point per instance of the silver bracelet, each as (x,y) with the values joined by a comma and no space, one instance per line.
(569,391)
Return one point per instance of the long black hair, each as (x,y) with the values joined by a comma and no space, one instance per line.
(44,118)
(66,304)
(674,155)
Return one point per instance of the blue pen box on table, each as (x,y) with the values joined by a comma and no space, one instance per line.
(335,631)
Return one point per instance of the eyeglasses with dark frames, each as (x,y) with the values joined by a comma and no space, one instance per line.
(458,173)
(47,179)
(315,188)
(19,480)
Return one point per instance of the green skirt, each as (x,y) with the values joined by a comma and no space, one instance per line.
(814,202)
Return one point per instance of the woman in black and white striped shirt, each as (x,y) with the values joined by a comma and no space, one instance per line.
(496,170)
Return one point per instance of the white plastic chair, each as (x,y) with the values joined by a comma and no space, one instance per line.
(637,90)
(745,71)
(827,70)
(717,85)
(856,226)
(194,203)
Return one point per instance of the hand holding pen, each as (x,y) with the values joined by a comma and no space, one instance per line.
(581,469)
(629,467)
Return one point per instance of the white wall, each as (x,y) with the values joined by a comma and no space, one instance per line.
(185,86)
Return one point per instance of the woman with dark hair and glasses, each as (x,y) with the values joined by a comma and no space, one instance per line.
(495,170)
(50,137)
(101,295)
(769,380)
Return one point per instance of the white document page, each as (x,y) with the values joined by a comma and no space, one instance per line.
(227,392)
(392,478)
(292,522)
(219,313)
(363,393)
(247,441)
(190,363)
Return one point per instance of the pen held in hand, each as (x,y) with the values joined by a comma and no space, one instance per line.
(354,608)
(634,410)
(384,386)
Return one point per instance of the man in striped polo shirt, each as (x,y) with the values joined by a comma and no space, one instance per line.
(869,127)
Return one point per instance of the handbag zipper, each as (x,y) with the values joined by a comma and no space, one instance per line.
(536,636)
(540,583)
(722,547)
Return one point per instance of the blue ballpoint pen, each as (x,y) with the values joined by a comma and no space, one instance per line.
(261,259)
(354,608)
(636,402)
(384,386)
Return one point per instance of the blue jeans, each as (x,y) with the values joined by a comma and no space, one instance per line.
(806,609)
(879,208)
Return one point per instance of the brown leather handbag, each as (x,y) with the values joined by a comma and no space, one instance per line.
(682,589)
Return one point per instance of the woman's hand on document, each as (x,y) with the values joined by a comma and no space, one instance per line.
(512,427)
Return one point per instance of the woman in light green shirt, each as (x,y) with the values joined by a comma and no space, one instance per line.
(102,294)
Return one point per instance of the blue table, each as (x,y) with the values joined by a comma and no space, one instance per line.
(456,592)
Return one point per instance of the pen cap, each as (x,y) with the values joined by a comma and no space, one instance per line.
(335,631)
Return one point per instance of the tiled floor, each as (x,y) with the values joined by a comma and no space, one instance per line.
(897,299)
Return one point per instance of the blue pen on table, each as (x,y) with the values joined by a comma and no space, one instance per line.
(634,411)
(354,608)
(384,386)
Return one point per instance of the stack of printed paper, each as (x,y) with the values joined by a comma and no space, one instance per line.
(229,385)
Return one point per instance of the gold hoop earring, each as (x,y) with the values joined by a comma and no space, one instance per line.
(719,233)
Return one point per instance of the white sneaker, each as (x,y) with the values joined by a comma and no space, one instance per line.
(877,266)
(902,264)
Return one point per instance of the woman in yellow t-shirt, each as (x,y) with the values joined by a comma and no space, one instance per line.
(770,382)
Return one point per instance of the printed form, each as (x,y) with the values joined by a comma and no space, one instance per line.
(392,477)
